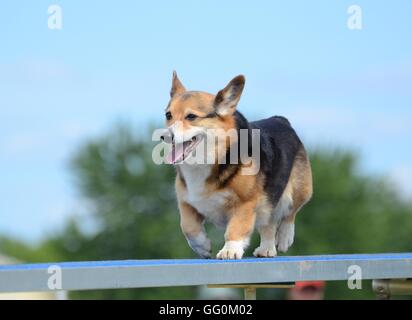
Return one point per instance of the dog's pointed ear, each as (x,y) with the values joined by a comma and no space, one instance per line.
(177,86)
(227,99)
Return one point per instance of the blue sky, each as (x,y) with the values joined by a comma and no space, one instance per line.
(113,60)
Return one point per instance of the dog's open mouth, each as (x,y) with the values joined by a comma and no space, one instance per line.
(182,151)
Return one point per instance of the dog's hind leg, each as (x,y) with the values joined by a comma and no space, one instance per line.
(297,193)
(286,233)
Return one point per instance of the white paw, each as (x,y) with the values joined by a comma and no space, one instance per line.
(201,245)
(265,251)
(285,235)
(231,250)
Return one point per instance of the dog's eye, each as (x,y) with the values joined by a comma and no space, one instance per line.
(168,115)
(191,116)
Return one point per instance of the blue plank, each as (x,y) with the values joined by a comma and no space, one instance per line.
(137,263)
(89,275)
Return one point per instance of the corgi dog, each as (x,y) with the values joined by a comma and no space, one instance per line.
(217,191)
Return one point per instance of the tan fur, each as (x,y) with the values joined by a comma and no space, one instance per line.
(300,183)
(242,220)
(198,103)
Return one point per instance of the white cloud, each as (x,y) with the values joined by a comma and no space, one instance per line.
(50,139)
(76,129)
(393,77)
(323,116)
(381,138)
(340,124)
(30,70)
(22,142)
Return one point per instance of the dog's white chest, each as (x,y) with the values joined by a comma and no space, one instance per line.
(211,205)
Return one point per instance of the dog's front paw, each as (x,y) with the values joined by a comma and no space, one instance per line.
(201,245)
(265,251)
(231,250)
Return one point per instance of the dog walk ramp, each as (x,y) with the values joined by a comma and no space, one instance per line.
(390,270)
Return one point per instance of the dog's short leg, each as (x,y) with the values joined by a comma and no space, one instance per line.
(267,247)
(286,233)
(299,189)
(239,228)
(192,226)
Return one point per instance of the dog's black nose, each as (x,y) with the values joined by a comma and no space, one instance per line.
(167,137)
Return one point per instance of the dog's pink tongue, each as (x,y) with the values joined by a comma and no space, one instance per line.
(177,153)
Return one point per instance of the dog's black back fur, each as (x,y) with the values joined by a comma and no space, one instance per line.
(279,145)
